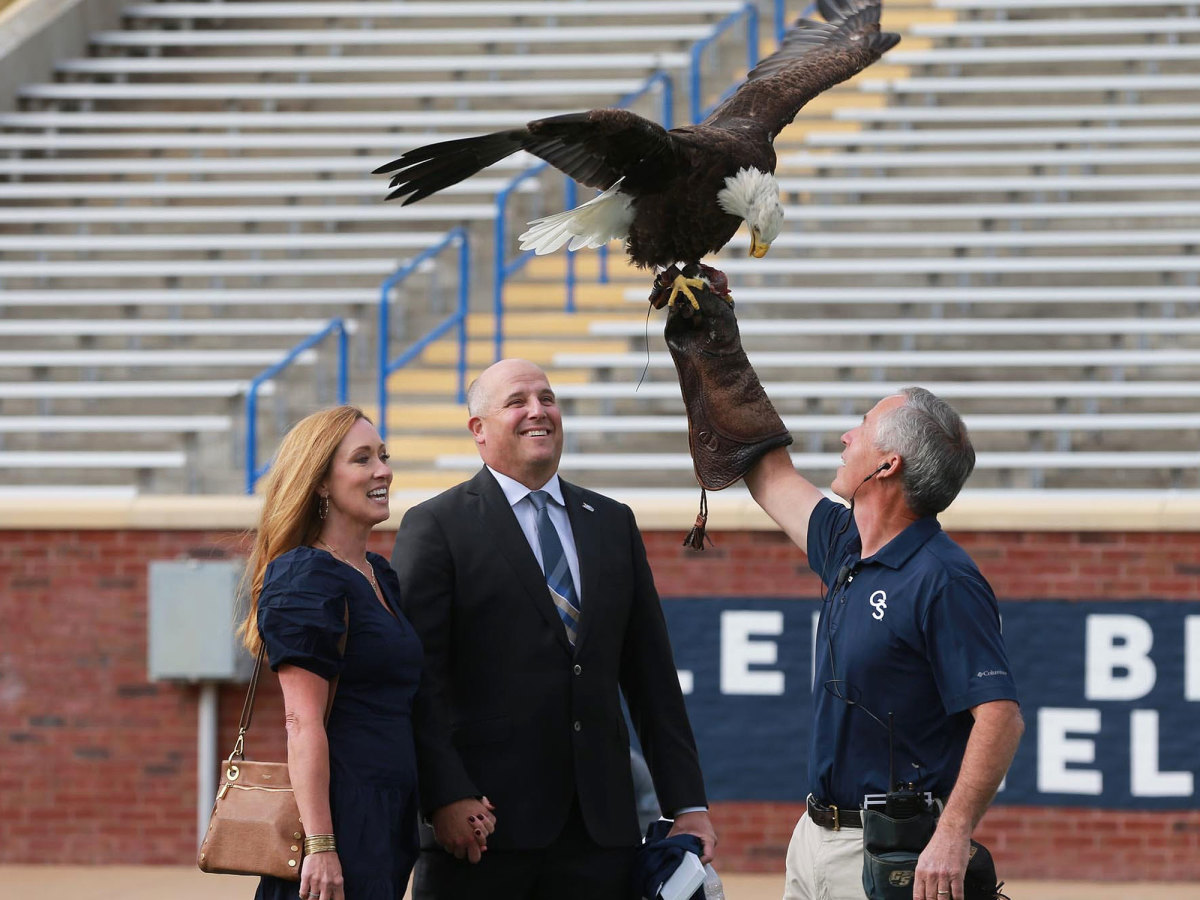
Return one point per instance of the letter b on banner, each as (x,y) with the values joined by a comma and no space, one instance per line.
(1118,663)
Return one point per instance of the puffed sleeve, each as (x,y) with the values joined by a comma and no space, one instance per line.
(301,613)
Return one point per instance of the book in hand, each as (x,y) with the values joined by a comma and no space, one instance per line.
(685,880)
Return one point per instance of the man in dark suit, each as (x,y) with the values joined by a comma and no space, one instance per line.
(537,609)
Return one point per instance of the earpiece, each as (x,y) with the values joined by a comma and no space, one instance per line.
(883,467)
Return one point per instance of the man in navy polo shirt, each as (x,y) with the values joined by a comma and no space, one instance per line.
(909,635)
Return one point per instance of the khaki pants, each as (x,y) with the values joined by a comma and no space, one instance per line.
(823,864)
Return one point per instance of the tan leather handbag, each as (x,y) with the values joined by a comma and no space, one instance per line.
(255,826)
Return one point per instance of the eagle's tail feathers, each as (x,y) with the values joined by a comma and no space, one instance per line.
(427,170)
(592,224)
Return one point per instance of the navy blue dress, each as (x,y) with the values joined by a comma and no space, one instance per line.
(372,761)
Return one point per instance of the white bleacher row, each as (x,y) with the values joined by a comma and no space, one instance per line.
(937,296)
(276,121)
(101,459)
(121,214)
(126,358)
(376,9)
(209,242)
(193,389)
(236,165)
(938,241)
(249,298)
(1117,360)
(307,65)
(375,188)
(617,35)
(992,184)
(129,424)
(178,92)
(991,56)
(1046,210)
(991,115)
(984,460)
(1039,389)
(1024,6)
(339,187)
(975,265)
(1031,84)
(432,211)
(208,268)
(142,327)
(250,165)
(1048,158)
(1063,424)
(926,240)
(1073,27)
(991,137)
(933,327)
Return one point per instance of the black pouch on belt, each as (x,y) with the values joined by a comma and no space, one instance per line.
(890,850)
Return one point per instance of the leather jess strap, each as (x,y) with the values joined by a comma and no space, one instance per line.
(833,817)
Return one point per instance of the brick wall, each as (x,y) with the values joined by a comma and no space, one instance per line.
(98,764)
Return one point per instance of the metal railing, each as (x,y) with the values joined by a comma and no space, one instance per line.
(505,268)
(749,13)
(335,326)
(454,237)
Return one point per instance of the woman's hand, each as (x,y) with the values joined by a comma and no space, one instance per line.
(321,877)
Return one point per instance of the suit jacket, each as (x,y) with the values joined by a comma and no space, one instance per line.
(508,709)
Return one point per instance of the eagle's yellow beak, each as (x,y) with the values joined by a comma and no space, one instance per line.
(758,247)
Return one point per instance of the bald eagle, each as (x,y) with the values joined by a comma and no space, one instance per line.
(672,196)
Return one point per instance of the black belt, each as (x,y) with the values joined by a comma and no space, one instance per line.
(833,817)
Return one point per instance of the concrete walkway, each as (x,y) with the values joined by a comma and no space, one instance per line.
(176,883)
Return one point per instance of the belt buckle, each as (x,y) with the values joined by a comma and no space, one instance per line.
(837,824)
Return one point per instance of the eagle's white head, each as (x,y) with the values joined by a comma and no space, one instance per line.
(753,195)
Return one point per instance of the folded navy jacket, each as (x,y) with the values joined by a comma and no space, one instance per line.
(660,856)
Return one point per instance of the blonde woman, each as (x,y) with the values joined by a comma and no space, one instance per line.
(309,571)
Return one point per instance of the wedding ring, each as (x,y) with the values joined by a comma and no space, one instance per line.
(943,892)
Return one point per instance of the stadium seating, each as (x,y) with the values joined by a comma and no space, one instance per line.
(212,161)
(1007,208)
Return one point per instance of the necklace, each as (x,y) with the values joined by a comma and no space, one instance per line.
(369,575)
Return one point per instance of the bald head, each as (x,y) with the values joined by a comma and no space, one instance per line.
(481,391)
(516,422)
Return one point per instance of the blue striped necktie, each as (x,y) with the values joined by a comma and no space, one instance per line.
(554,563)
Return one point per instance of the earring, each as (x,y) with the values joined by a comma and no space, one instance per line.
(323,506)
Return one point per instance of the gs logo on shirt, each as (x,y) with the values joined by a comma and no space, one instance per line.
(879,601)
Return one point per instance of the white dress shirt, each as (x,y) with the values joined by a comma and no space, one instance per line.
(518,498)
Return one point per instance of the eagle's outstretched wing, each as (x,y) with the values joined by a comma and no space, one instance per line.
(813,57)
(596,148)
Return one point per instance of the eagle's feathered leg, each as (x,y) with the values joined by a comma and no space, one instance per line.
(718,282)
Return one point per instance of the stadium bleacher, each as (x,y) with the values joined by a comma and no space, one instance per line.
(957,214)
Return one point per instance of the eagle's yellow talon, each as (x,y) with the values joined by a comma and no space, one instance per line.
(683,286)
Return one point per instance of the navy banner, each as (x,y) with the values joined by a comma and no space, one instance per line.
(1110,692)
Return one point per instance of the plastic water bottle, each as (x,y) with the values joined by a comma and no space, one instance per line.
(713,889)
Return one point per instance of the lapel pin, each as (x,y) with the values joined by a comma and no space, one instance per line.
(588,507)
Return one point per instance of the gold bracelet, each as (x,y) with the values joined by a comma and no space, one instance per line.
(320,843)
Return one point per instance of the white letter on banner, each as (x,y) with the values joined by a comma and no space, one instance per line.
(1055,750)
(1191,658)
(1144,778)
(1115,643)
(738,651)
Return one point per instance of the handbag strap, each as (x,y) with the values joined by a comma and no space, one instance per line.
(239,747)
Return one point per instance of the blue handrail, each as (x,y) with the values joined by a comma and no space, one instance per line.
(253,472)
(749,12)
(454,237)
(503,267)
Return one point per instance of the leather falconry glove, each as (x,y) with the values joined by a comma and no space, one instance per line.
(731,421)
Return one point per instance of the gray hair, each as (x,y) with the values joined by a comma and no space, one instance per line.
(477,398)
(932,440)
